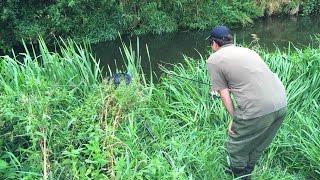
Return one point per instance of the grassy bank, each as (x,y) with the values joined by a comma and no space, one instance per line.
(60,120)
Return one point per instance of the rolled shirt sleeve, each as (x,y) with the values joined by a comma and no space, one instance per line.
(218,80)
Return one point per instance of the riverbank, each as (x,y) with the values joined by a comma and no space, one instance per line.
(61,120)
(103,20)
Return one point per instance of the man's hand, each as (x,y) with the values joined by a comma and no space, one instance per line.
(230,130)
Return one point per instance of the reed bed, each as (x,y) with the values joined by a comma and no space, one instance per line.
(60,119)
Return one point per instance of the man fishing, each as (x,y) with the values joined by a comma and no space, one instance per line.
(259,106)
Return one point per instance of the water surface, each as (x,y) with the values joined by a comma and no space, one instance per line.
(170,47)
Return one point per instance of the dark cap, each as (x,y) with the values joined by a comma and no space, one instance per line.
(220,32)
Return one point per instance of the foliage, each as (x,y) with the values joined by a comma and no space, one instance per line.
(310,7)
(61,120)
(101,20)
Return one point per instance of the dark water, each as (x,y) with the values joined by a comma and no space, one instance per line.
(170,48)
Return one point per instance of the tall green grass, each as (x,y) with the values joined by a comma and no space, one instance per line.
(60,119)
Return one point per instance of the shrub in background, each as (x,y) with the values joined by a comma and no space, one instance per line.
(102,20)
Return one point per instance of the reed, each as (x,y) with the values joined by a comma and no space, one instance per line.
(61,120)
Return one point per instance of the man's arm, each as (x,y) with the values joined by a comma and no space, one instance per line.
(227,102)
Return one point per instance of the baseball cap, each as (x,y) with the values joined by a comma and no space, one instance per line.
(220,32)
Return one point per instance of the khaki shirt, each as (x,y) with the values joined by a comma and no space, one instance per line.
(256,89)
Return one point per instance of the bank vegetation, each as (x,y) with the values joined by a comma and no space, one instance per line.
(60,118)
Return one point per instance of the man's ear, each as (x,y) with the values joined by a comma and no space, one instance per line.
(215,46)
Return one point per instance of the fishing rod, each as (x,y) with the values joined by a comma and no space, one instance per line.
(213,94)
(183,77)
(201,82)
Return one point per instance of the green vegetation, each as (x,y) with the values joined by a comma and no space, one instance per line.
(61,120)
(101,20)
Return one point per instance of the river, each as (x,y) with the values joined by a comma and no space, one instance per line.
(169,48)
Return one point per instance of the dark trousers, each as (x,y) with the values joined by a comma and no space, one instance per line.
(252,137)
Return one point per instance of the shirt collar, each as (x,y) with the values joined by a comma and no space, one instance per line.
(226,45)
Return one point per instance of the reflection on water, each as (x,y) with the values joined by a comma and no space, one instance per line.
(170,48)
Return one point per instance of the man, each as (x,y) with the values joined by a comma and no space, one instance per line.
(260,100)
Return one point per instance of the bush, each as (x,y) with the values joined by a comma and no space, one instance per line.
(102,20)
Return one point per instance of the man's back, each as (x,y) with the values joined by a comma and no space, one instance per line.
(256,89)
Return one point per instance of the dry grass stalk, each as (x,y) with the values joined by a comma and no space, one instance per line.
(44,150)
